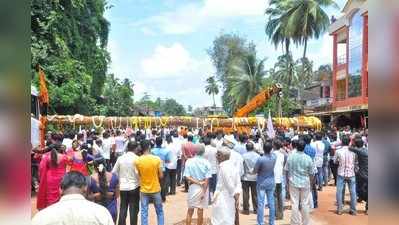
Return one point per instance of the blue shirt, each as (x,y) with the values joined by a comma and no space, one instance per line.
(310,151)
(162,153)
(250,159)
(264,167)
(198,168)
(240,148)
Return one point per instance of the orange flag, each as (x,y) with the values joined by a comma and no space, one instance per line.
(43,100)
(43,96)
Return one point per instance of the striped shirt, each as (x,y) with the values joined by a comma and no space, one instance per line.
(346,162)
(300,168)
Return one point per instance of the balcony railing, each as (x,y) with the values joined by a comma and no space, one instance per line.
(318,102)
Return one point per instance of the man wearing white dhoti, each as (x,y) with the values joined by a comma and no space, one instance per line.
(197,172)
(228,189)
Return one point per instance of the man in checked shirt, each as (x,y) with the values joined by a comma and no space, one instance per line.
(346,161)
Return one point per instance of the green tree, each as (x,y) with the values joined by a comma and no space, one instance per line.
(304,71)
(307,19)
(190,108)
(228,50)
(284,70)
(118,96)
(69,39)
(247,80)
(324,71)
(212,88)
(172,108)
(277,23)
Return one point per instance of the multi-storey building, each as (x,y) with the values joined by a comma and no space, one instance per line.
(350,65)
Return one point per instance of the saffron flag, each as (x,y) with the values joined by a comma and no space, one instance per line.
(270,130)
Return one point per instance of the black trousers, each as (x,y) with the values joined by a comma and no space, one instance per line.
(246,187)
(171,181)
(363,189)
(334,170)
(178,172)
(162,182)
(129,199)
(279,201)
(313,188)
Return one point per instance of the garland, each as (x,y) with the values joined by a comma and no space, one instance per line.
(163,124)
(134,122)
(94,122)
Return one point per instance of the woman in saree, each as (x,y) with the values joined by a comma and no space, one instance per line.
(104,187)
(52,169)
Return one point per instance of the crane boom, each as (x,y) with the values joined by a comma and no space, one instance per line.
(259,100)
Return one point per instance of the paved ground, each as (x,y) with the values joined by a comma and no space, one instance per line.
(175,211)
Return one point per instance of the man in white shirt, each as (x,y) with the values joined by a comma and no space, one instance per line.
(67,141)
(73,208)
(108,146)
(178,141)
(219,139)
(281,159)
(174,147)
(129,183)
(120,141)
(210,155)
(319,146)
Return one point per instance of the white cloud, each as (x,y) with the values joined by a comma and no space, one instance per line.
(321,51)
(171,62)
(118,64)
(171,72)
(190,17)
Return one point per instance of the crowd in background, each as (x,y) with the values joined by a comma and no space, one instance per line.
(225,170)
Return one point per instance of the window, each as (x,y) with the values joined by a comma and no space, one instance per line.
(341,90)
(326,92)
(355,55)
(341,47)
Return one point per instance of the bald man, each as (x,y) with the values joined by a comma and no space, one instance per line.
(197,172)
(226,198)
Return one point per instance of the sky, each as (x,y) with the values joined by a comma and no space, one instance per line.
(160,45)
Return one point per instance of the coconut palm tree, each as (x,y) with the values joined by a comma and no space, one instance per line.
(307,19)
(277,23)
(304,71)
(284,70)
(246,80)
(212,88)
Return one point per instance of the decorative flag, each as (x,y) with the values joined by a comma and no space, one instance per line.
(270,130)
(43,96)
(43,100)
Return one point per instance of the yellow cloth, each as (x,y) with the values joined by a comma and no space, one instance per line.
(148,167)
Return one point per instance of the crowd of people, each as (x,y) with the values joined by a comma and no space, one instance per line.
(88,171)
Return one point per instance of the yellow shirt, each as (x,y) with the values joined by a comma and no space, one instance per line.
(148,167)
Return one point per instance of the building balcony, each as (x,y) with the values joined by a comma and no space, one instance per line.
(318,102)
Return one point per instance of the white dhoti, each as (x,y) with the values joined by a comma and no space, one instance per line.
(223,209)
(195,198)
(229,184)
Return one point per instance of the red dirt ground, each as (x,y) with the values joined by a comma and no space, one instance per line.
(175,211)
